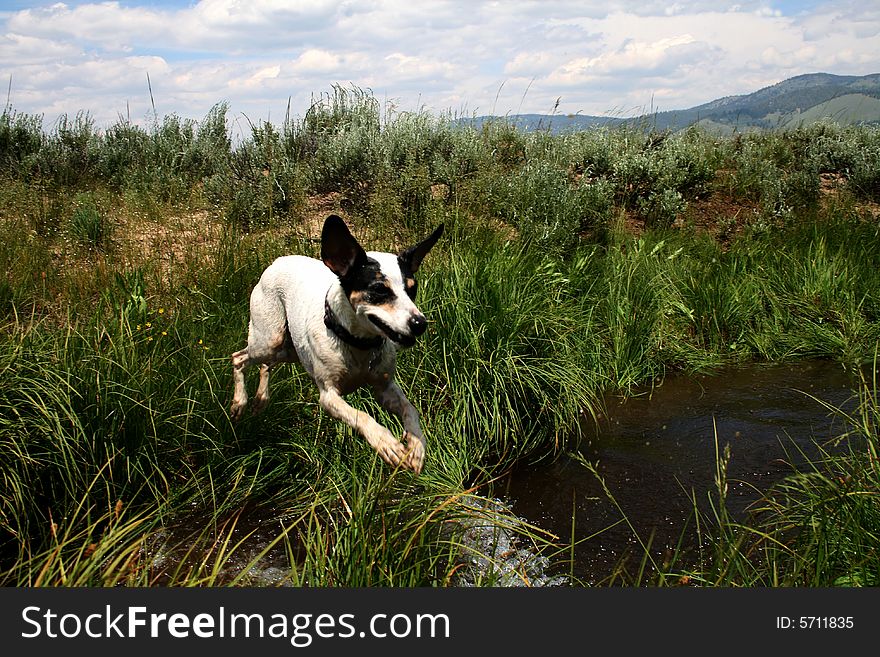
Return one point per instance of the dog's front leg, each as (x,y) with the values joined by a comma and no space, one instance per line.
(394,401)
(380,439)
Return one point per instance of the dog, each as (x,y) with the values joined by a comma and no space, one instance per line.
(343,319)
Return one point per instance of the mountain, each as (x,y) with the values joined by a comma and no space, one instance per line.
(799,100)
(552,122)
(786,104)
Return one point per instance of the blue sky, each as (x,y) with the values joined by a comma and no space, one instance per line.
(471,57)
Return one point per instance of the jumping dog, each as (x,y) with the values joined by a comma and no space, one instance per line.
(343,319)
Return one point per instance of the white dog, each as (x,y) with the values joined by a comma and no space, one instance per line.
(343,319)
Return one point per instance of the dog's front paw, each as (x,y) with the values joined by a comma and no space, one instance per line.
(415,452)
(392,451)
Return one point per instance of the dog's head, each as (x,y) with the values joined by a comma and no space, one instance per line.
(380,286)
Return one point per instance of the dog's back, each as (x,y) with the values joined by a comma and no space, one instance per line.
(291,290)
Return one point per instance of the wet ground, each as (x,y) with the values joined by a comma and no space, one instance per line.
(656,450)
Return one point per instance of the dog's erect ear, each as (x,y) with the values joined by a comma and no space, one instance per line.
(340,251)
(413,256)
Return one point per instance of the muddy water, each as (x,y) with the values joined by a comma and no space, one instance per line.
(655,449)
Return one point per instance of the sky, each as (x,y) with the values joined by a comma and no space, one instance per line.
(466,58)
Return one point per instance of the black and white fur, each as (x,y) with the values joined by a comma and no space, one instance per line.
(343,319)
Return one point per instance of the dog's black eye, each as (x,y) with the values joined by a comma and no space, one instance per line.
(378,292)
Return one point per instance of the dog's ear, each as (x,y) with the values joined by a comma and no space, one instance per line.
(413,256)
(340,251)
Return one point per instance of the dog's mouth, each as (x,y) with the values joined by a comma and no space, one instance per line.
(402,339)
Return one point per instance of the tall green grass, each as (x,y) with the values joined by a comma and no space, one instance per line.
(130,252)
(521,344)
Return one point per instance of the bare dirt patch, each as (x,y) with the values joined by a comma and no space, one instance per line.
(719,215)
(177,239)
(316,211)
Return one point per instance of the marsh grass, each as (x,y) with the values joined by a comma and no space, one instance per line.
(505,387)
(129,403)
(129,254)
(818,526)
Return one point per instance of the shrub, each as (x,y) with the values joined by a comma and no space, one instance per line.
(21,138)
(69,156)
(262,182)
(865,176)
(661,208)
(505,142)
(547,209)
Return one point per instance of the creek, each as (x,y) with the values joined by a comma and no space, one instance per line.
(656,452)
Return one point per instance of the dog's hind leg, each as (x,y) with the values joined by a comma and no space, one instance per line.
(268,344)
(279,350)
(386,445)
(261,398)
(240,362)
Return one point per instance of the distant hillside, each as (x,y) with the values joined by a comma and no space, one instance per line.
(554,122)
(846,110)
(800,100)
(773,106)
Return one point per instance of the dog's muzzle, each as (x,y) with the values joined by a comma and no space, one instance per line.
(417,325)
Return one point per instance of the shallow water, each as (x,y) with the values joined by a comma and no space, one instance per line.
(657,449)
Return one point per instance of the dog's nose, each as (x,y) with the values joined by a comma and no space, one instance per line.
(418,324)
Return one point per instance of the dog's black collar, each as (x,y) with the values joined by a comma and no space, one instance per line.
(345,335)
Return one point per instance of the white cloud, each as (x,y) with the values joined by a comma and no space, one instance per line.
(408,68)
(238,14)
(314,61)
(638,56)
(532,63)
(481,56)
(105,24)
(24,49)
(774,58)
